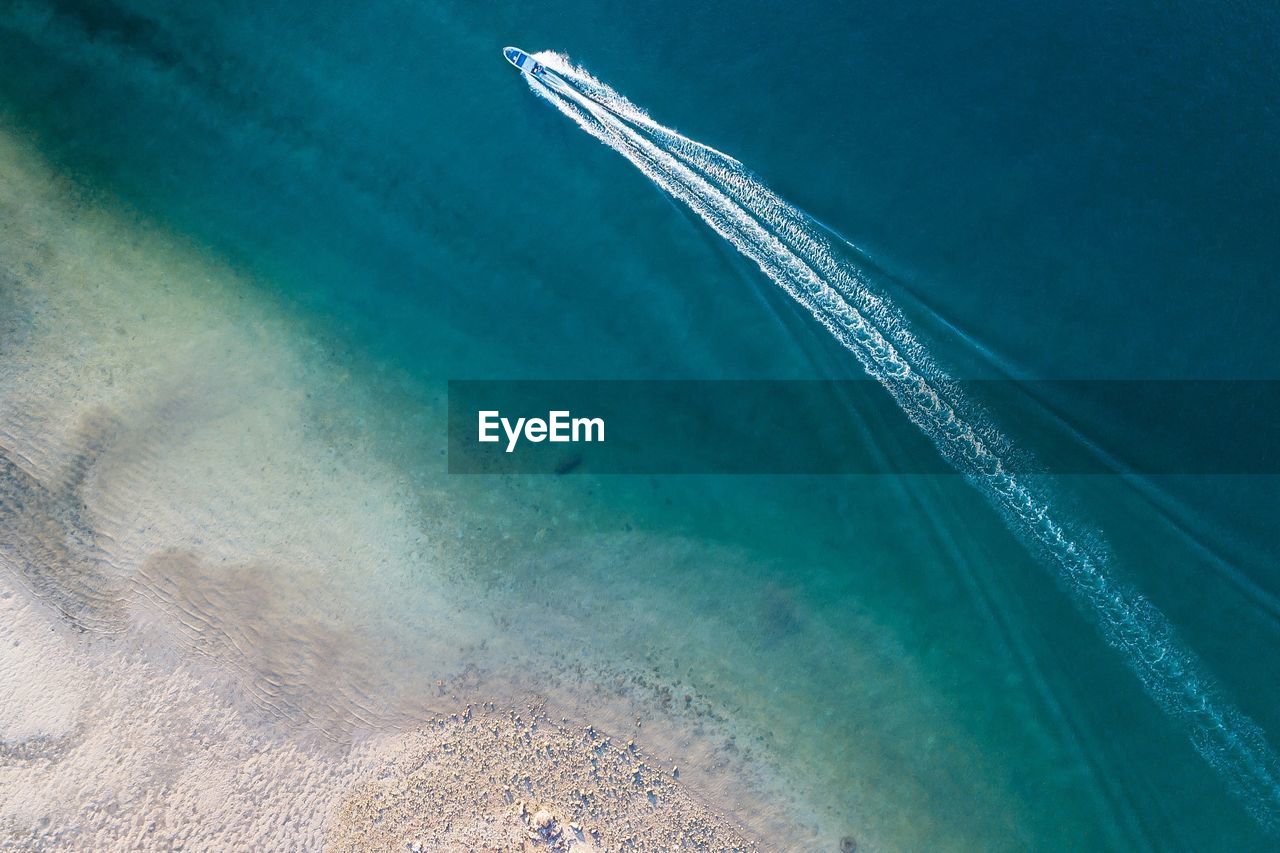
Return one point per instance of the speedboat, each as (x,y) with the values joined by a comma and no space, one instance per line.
(522,60)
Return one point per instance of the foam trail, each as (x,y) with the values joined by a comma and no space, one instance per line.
(791,249)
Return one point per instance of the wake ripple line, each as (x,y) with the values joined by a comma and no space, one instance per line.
(789,247)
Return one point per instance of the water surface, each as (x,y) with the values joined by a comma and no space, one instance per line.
(1045,191)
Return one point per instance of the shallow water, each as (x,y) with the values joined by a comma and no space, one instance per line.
(330,210)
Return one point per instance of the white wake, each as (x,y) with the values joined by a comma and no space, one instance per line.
(794,251)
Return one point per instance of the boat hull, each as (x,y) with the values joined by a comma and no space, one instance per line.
(517,57)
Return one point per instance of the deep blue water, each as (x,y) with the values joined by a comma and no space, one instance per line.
(1047,190)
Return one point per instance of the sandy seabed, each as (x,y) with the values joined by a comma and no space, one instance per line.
(183,663)
(106,749)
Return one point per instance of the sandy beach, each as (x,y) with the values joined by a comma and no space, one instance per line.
(106,746)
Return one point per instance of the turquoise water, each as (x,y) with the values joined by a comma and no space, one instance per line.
(1044,192)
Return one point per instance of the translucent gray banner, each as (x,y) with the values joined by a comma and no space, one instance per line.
(854,427)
